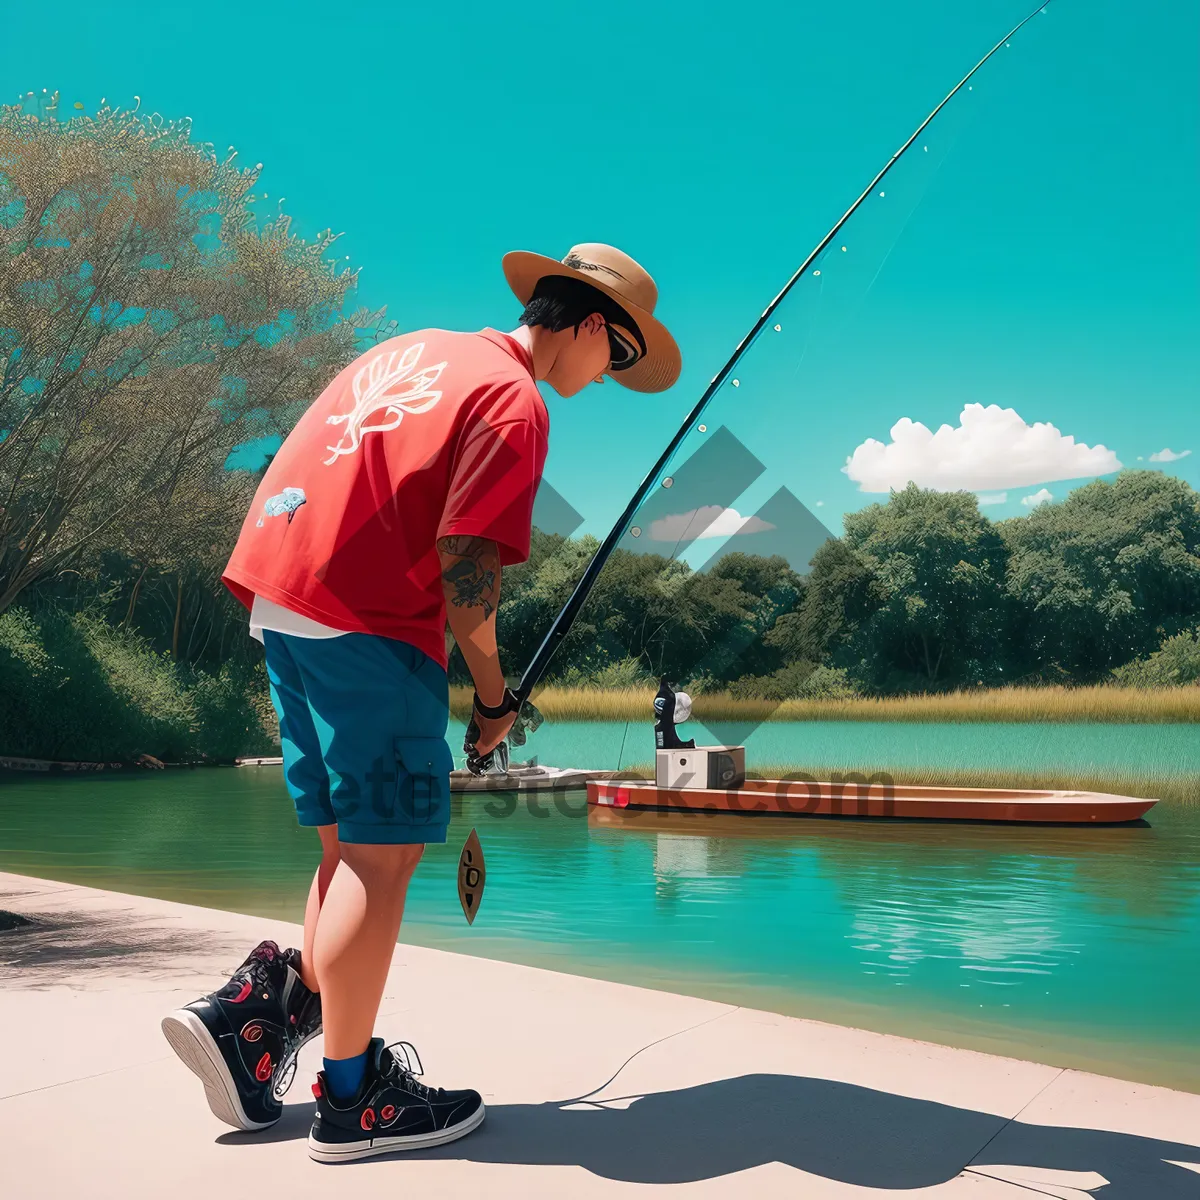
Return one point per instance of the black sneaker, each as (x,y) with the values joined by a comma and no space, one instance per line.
(243,1040)
(392,1111)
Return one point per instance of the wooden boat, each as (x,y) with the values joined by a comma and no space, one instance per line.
(874,799)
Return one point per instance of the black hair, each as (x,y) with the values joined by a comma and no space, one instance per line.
(561,302)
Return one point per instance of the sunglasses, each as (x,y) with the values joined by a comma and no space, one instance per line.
(623,350)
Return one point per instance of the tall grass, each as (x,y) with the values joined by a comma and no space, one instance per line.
(1104,703)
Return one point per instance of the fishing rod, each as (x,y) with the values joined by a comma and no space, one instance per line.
(540,662)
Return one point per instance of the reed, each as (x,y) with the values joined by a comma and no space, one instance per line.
(1172,788)
(1101,704)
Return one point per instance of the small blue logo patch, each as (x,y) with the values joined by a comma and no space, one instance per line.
(287,501)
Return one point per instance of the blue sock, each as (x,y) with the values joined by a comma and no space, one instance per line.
(345,1076)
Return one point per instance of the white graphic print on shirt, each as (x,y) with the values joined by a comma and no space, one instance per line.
(387,387)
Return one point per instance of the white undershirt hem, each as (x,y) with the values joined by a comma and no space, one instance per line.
(266,615)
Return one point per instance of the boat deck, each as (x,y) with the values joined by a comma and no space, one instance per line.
(876,798)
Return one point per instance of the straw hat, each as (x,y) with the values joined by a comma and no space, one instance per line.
(615,274)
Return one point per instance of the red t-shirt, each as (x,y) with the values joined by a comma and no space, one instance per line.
(424,436)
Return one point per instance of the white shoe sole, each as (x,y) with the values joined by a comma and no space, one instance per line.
(191,1041)
(333,1152)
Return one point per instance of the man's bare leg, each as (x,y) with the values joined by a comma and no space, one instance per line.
(367,1099)
(330,856)
(356,930)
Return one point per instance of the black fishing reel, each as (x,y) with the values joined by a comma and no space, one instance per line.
(671,707)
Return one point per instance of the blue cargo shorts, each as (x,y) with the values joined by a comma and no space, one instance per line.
(362,720)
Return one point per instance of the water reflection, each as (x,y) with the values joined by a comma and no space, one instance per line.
(1010,923)
(1147,870)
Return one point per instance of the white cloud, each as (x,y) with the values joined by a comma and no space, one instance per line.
(708,521)
(986,498)
(990,448)
(1038,497)
(1169,456)
(820,503)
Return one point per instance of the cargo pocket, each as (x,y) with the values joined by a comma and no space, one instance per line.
(423,768)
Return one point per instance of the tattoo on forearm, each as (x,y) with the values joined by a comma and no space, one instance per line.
(472,576)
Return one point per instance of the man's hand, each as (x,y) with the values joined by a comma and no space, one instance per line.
(490,723)
(492,731)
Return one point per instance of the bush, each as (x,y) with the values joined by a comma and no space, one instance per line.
(123,685)
(1175,662)
(234,714)
(828,683)
(797,681)
(624,673)
(698,685)
(73,688)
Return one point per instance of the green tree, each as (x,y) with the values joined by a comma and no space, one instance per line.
(163,580)
(936,608)
(1102,577)
(531,596)
(743,597)
(640,608)
(838,597)
(148,326)
(646,612)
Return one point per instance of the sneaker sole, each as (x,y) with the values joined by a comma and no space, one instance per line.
(334,1152)
(191,1041)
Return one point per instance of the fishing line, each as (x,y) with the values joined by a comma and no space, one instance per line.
(816,320)
(621,752)
(838,313)
(956,137)
(687,529)
(584,1099)
(879,269)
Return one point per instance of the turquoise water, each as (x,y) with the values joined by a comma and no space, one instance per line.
(1161,749)
(1072,946)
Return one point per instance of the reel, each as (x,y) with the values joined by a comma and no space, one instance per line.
(671,707)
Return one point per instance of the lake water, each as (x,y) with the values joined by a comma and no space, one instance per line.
(1118,749)
(1072,946)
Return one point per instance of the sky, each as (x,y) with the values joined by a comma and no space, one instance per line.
(1042,255)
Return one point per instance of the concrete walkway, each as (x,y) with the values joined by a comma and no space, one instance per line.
(593,1089)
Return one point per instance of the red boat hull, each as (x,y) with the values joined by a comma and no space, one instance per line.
(876,799)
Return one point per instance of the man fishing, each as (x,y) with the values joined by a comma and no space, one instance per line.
(390,510)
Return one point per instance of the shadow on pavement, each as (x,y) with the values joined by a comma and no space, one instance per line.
(41,950)
(851,1134)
